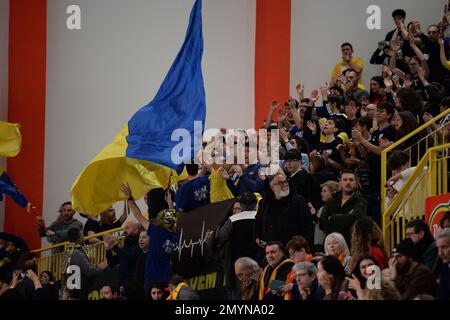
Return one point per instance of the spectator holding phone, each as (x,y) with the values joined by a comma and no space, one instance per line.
(348,62)
(275,272)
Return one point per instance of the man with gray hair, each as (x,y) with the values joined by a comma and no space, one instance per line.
(282,214)
(306,286)
(248,273)
(443,246)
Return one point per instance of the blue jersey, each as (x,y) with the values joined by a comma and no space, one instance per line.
(161,245)
(193,194)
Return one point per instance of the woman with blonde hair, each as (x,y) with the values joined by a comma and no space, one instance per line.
(335,245)
(328,189)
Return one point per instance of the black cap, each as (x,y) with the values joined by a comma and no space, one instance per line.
(407,248)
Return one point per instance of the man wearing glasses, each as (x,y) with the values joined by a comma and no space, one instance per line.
(306,286)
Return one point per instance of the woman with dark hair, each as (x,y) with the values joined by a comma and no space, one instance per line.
(331,277)
(377,93)
(158,291)
(49,287)
(409,100)
(361,274)
(404,123)
(367,239)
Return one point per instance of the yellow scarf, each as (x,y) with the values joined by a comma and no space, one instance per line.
(174,294)
(262,289)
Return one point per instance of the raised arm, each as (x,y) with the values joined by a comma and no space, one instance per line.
(419,54)
(443,57)
(273,106)
(125,188)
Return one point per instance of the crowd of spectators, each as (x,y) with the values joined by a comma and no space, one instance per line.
(312,229)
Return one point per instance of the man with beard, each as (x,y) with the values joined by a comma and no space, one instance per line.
(411,278)
(278,267)
(126,257)
(57,232)
(80,258)
(282,214)
(109,221)
(344,208)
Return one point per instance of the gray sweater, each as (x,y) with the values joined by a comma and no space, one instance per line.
(60,228)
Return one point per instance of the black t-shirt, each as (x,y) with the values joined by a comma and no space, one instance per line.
(91,225)
(331,149)
(115,225)
(387,133)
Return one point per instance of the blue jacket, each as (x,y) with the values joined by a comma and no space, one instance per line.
(250,180)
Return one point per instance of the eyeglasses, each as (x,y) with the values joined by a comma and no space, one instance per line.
(408,234)
(302,274)
(241,276)
(281,183)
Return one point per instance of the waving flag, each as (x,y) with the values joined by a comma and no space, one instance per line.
(10,139)
(9,188)
(141,153)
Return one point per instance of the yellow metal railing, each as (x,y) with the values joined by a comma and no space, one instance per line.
(428,179)
(432,137)
(54,262)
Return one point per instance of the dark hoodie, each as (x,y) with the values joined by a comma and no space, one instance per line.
(280,220)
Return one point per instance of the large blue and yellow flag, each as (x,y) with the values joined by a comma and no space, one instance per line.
(10,139)
(9,188)
(141,154)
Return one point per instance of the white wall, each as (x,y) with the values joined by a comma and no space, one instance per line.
(97,77)
(319,27)
(4,29)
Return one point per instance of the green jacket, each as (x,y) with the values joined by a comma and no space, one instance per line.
(337,218)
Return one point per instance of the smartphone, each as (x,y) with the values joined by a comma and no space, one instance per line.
(276,285)
(383,44)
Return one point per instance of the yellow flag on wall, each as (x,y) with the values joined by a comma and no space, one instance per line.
(10,139)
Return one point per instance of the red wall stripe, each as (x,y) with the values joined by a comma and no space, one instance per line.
(272,55)
(26,105)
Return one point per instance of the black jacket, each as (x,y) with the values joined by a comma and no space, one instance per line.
(127,258)
(301,182)
(444,283)
(280,220)
(337,218)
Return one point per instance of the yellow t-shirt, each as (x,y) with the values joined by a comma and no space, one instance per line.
(344,200)
(447,65)
(342,66)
